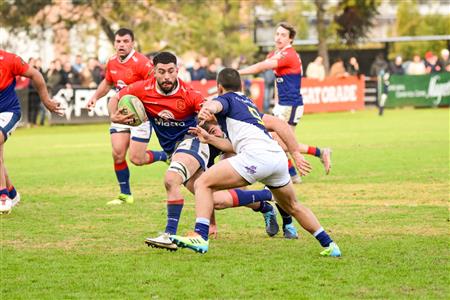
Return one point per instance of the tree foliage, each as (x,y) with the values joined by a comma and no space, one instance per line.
(355,19)
(411,23)
(18,14)
(210,27)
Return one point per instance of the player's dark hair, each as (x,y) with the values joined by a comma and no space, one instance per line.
(289,28)
(164,58)
(124,32)
(230,80)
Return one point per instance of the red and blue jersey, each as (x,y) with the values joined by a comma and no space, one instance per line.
(11,66)
(171,114)
(288,76)
(134,67)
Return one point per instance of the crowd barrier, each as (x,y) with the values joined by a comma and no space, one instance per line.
(419,90)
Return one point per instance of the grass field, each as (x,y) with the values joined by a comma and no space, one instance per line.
(385,203)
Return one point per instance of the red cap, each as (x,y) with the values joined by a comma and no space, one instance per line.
(428,55)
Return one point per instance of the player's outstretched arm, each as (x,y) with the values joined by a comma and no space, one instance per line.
(102,89)
(208,110)
(262,66)
(287,136)
(39,83)
(220,143)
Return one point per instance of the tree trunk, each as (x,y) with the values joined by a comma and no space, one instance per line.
(322,33)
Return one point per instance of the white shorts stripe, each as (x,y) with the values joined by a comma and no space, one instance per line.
(8,123)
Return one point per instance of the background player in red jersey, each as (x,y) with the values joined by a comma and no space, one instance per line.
(287,66)
(123,68)
(11,66)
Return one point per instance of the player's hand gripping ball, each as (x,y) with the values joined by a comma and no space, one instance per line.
(132,104)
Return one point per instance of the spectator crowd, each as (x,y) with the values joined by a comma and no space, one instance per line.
(75,72)
(417,66)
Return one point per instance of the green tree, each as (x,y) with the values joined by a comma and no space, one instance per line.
(411,23)
(355,19)
(210,27)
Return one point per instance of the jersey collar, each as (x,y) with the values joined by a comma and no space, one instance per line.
(284,48)
(126,58)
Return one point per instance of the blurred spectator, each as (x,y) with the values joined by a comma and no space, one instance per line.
(338,69)
(416,67)
(197,71)
(316,69)
(353,67)
(269,86)
(396,66)
(54,77)
(444,61)
(70,78)
(431,63)
(33,96)
(38,65)
(41,110)
(379,66)
(86,79)
(78,66)
(183,73)
(96,70)
(211,73)
(219,64)
(64,58)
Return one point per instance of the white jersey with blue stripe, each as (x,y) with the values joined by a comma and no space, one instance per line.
(241,122)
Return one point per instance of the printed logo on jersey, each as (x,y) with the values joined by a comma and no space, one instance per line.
(166,123)
(166,114)
(121,84)
(280,80)
(251,169)
(113,72)
(181,105)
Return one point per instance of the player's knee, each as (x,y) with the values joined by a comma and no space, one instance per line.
(118,156)
(172,180)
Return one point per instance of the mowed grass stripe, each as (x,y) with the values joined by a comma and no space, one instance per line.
(385,203)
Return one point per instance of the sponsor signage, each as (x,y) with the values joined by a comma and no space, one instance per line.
(333,94)
(74,101)
(419,90)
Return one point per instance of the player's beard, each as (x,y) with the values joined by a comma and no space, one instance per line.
(167,86)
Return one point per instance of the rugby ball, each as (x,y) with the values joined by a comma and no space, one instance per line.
(132,104)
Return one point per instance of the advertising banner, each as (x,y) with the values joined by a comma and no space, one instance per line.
(74,101)
(429,90)
(333,94)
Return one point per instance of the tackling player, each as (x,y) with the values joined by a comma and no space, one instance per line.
(287,66)
(123,68)
(172,107)
(11,66)
(259,158)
